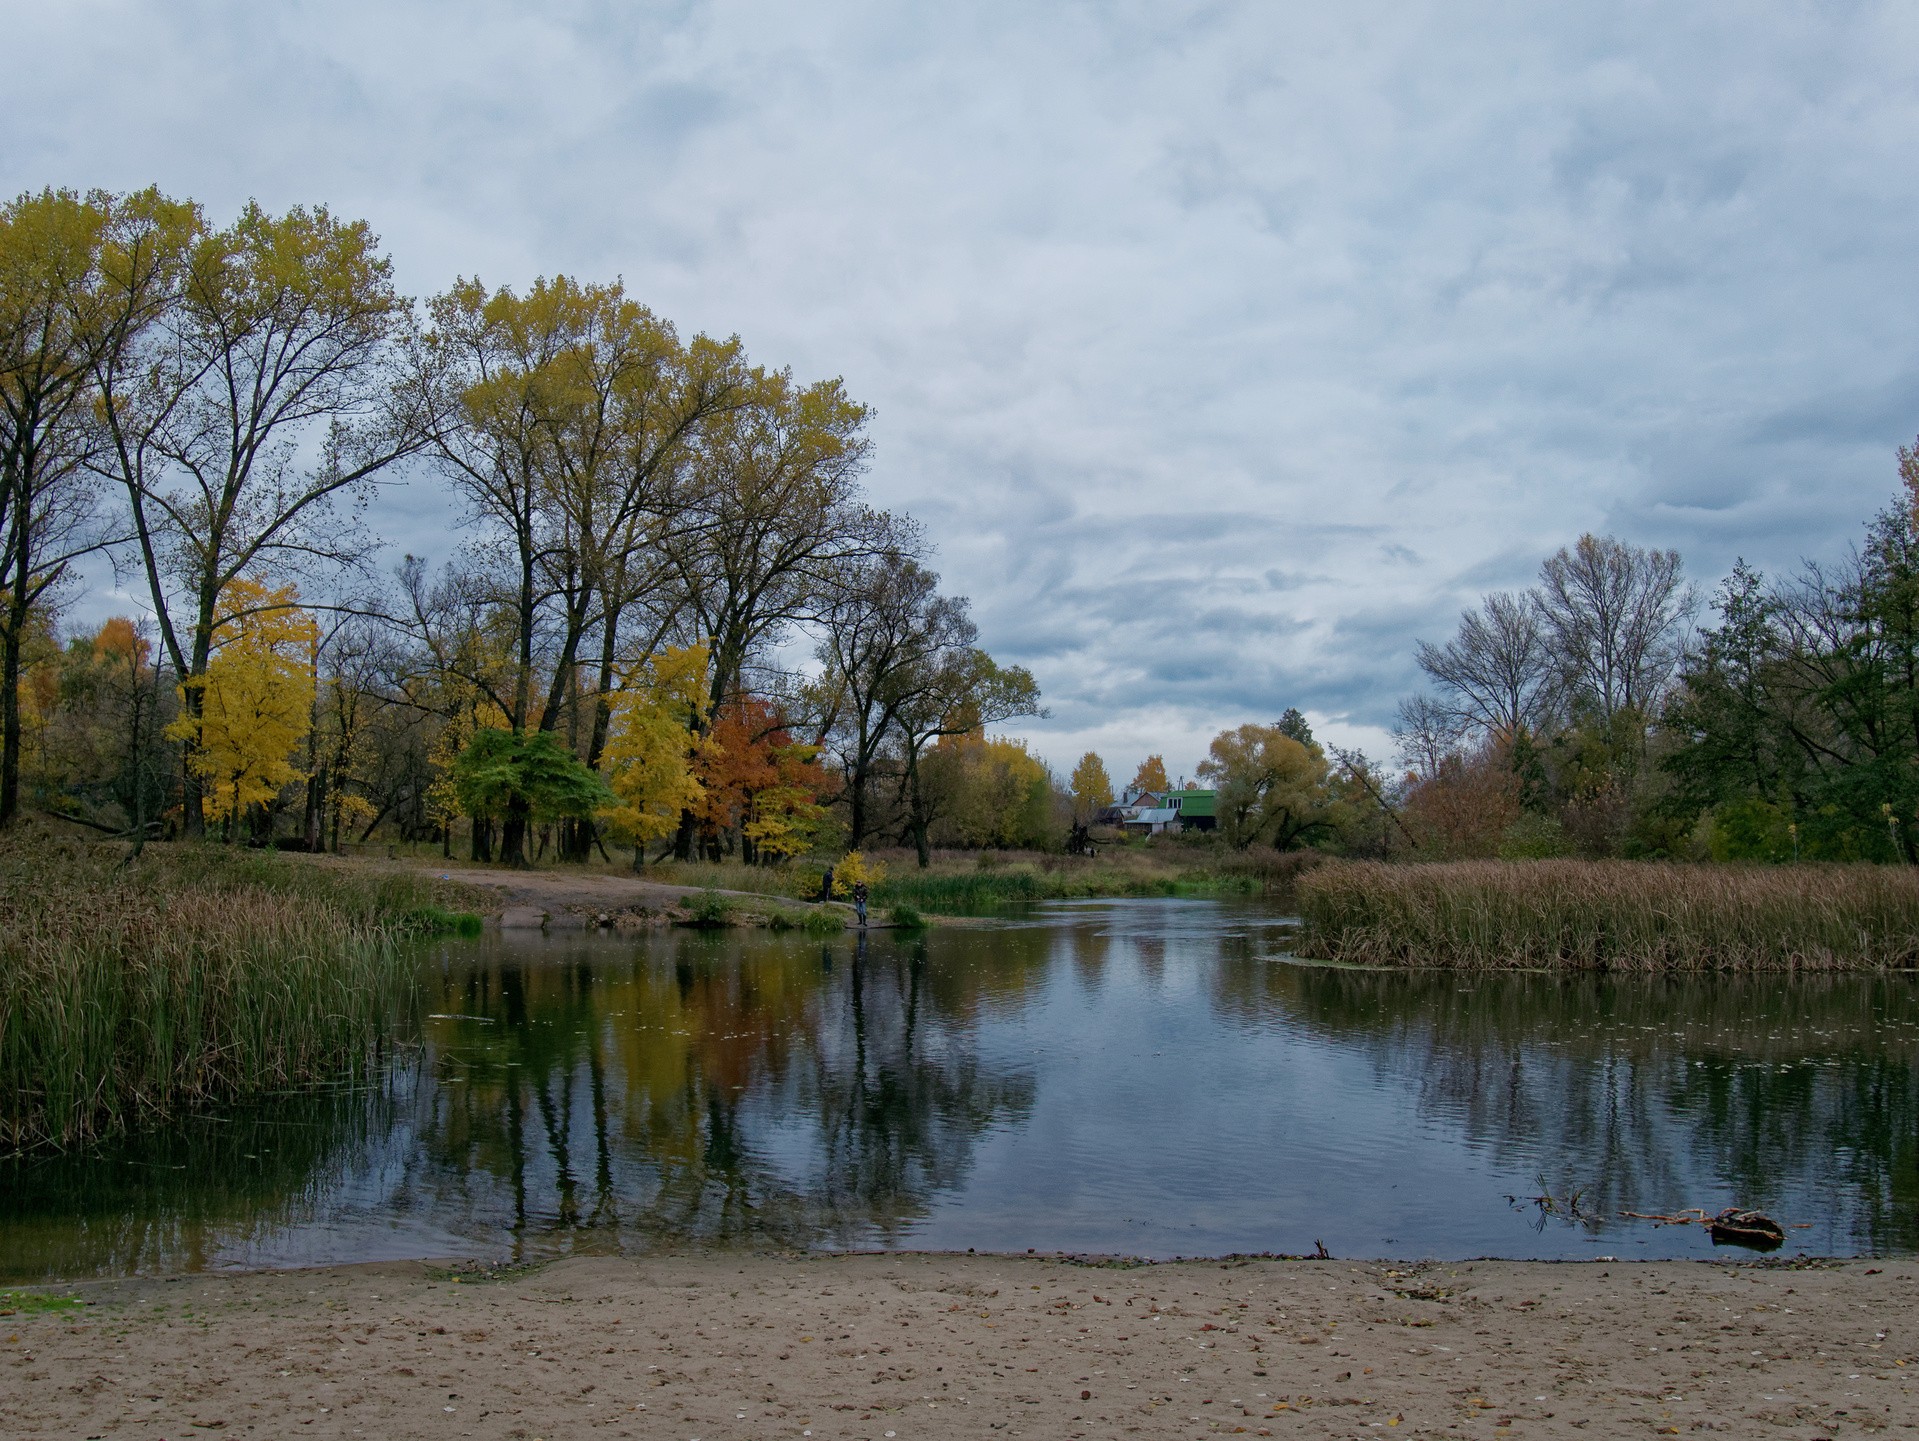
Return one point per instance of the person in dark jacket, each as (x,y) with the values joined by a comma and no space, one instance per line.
(859,901)
(826,886)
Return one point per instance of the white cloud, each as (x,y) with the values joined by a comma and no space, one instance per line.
(1155,302)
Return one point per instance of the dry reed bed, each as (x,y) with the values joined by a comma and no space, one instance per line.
(1612,915)
(187,977)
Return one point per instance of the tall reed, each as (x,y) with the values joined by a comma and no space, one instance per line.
(191,975)
(1612,915)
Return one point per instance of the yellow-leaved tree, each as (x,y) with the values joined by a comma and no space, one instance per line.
(256,698)
(1092,788)
(652,746)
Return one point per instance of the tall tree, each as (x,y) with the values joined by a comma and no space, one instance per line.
(80,278)
(1271,787)
(1092,788)
(954,692)
(261,404)
(779,526)
(1617,616)
(1497,672)
(888,621)
(567,418)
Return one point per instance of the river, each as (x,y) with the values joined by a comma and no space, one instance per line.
(1151,1078)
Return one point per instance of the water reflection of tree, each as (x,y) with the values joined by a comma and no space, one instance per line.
(1779,1085)
(709,1089)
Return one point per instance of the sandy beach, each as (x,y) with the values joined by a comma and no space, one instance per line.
(896,1347)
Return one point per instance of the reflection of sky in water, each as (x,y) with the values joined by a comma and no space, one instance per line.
(1134,1077)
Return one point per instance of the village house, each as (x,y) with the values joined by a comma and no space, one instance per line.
(1152,813)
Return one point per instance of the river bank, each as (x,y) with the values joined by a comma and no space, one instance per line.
(969,883)
(722,1345)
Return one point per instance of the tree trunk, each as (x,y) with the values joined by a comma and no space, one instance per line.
(917,809)
(10,710)
(513,833)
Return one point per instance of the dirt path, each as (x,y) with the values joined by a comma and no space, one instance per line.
(718,1347)
(568,898)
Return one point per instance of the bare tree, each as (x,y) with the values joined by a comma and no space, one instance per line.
(1427,735)
(889,621)
(1617,617)
(1497,672)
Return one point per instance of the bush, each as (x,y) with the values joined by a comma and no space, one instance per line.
(906,918)
(824,921)
(709,910)
(854,868)
(1534,838)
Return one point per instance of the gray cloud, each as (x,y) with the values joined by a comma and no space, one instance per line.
(1224,348)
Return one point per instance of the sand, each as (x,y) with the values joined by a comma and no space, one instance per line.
(723,1346)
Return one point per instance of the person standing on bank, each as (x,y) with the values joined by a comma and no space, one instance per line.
(859,902)
(826,886)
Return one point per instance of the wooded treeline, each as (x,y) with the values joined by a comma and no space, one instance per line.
(1601,714)
(654,533)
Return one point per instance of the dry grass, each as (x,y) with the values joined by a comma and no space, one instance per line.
(193,975)
(1612,915)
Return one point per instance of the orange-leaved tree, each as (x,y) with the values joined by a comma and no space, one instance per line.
(759,781)
(255,698)
(1151,775)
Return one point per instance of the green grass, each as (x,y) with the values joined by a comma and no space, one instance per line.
(37,1303)
(1612,915)
(981,882)
(823,921)
(195,974)
(977,890)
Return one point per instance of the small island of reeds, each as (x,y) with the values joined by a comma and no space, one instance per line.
(131,988)
(1612,915)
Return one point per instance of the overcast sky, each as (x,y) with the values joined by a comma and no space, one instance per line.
(1224,349)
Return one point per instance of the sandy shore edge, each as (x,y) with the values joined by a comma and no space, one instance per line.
(895,1345)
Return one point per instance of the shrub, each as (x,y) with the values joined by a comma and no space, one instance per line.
(824,921)
(709,910)
(906,918)
(854,868)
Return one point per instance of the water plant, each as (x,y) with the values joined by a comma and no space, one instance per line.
(131,990)
(824,921)
(1612,915)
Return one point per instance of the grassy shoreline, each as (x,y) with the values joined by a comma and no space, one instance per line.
(1611,915)
(980,882)
(131,991)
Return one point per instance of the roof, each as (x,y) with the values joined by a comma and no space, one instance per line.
(1196,803)
(1163,816)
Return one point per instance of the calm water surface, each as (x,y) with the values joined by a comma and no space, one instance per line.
(1146,1077)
